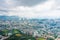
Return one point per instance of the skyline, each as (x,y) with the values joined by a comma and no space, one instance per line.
(30,8)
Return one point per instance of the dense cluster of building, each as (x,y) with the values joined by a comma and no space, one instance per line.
(36,27)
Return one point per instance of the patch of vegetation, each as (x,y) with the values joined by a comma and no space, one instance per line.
(41,38)
(18,35)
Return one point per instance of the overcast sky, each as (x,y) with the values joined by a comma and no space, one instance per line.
(31,8)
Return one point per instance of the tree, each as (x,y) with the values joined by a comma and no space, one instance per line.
(5,32)
(50,39)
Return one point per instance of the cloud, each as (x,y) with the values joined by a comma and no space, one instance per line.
(28,2)
(32,9)
(14,3)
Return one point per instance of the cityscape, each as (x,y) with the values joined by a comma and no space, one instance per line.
(29,29)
